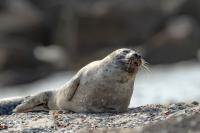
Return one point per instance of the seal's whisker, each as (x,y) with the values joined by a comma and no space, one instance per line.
(145,66)
(144,62)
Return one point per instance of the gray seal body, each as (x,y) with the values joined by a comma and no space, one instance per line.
(101,86)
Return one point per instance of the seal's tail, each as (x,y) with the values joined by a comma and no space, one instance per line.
(7,105)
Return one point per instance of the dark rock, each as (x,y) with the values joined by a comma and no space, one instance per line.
(91,26)
(33,130)
(26,25)
(166,30)
(6,107)
(178,41)
(195,103)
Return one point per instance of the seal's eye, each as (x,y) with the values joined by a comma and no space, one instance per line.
(126,51)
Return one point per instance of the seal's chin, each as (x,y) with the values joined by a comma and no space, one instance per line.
(133,65)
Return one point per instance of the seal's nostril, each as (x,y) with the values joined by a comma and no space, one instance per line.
(137,56)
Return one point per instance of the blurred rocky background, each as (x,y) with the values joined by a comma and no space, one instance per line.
(40,37)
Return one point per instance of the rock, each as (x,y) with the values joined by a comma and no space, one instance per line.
(195,103)
(96,25)
(18,38)
(180,35)
(88,30)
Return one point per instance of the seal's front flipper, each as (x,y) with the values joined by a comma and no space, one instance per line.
(31,104)
(72,87)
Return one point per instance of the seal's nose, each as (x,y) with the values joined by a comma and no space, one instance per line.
(137,56)
(134,56)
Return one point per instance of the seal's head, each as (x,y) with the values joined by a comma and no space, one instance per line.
(127,60)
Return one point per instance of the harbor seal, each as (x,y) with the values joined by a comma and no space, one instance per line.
(101,86)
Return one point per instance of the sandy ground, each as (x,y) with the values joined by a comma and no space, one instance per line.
(60,121)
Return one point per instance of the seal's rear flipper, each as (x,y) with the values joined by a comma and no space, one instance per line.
(34,103)
(35,109)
